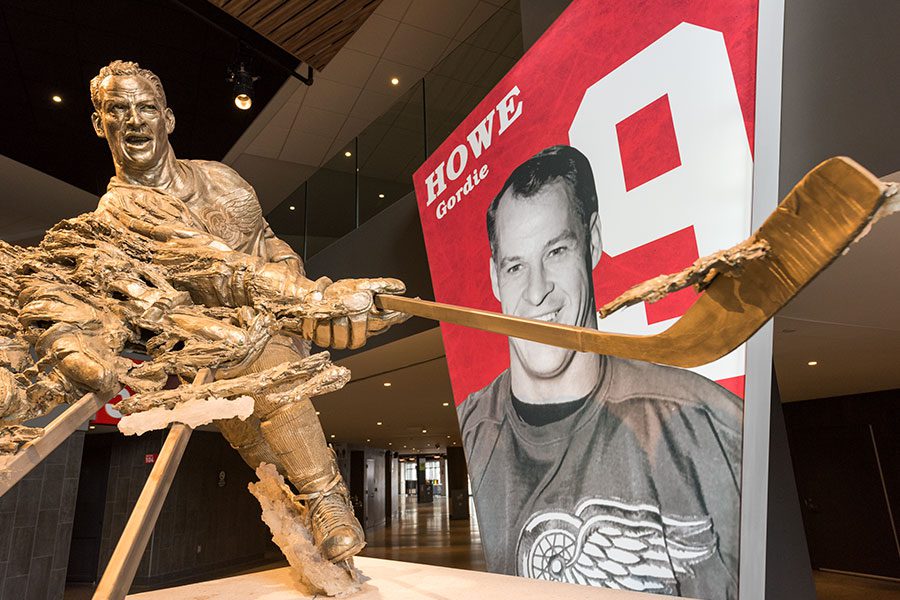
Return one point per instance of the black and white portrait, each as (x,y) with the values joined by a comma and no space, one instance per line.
(586,468)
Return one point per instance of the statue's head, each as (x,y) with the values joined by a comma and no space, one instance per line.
(130,112)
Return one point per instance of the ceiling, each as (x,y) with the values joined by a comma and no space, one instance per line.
(846,321)
(304,128)
(313,31)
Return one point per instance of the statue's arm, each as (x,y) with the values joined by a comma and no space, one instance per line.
(337,314)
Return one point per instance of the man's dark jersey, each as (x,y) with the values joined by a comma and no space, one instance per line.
(638,489)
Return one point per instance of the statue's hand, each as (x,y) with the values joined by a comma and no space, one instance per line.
(186,237)
(342,314)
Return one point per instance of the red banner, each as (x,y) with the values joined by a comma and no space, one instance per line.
(617,149)
(616,69)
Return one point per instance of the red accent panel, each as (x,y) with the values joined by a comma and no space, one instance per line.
(104,418)
(647,143)
(667,254)
(735,385)
(673,305)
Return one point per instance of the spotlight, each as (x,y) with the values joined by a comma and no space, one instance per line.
(381,195)
(348,154)
(239,75)
(395,81)
(813,363)
(292,208)
(446,404)
(56,98)
(387,384)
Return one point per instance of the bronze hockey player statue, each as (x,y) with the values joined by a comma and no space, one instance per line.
(209,204)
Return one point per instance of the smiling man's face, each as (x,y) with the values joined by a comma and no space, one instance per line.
(134,121)
(542,267)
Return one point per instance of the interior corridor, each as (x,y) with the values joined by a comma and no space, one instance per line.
(424,533)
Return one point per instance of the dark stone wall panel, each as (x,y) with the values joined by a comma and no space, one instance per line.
(36,526)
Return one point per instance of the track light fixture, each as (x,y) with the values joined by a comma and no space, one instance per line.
(239,75)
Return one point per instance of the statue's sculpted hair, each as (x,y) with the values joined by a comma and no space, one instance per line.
(125,67)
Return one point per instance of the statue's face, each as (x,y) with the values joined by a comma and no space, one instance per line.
(134,121)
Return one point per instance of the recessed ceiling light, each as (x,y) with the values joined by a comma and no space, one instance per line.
(390,443)
(368,440)
(332,435)
(395,81)
(243,101)
(424,431)
(292,208)
(318,413)
(381,195)
(404,446)
(387,384)
(348,154)
(92,427)
(448,437)
(378,423)
(56,98)
(446,404)
(813,363)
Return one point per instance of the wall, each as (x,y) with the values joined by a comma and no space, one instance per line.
(840,85)
(457,483)
(203,527)
(846,457)
(353,461)
(36,518)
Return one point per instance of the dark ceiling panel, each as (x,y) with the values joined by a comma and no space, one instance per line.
(49,48)
(311,31)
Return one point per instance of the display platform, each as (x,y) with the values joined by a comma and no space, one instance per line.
(394,580)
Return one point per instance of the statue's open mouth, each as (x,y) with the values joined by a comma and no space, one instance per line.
(137,140)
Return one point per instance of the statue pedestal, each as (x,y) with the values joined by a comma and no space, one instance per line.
(395,580)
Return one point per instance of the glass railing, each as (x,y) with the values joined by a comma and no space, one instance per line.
(375,169)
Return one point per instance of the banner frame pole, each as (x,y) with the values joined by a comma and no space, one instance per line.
(758,367)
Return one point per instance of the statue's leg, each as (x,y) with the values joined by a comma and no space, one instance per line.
(290,437)
(246,437)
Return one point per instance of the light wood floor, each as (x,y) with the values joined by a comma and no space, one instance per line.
(425,534)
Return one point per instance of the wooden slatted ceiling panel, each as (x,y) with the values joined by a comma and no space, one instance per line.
(312,30)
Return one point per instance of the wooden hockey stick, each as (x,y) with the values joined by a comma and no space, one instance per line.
(14,468)
(817,221)
(123,563)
